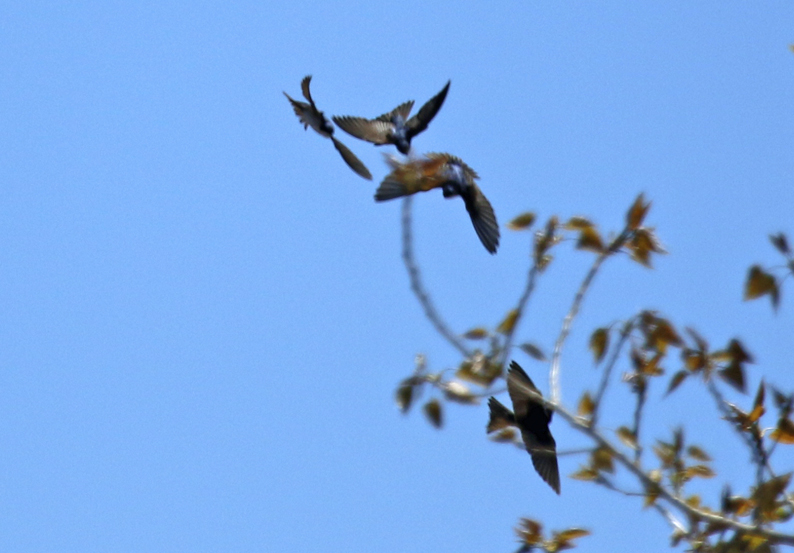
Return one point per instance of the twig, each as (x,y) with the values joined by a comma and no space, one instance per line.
(554,374)
(416,283)
(533,273)
(624,335)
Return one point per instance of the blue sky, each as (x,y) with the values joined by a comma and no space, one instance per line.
(204,312)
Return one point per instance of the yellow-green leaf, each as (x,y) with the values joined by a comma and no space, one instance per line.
(476,334)
(590,240)
(578,223)
(432,410)
(586,405)
(586,474)
(637,212)
(627,437)
(784,433)
(599,342)
(701,471)
(509,322)
(698,454)
(760,283)
(523,221)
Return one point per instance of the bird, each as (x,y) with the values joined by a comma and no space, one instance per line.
(312,117)
(454,177)
(394,127)
(532,419)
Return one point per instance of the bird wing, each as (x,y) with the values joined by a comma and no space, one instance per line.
(402,110)
(352,161)
(305,88)
(533,420)
(419,122)
(373,131)
(415,175)
(483,218)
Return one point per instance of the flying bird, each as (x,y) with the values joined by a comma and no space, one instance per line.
(312,117)
(454,177)
(394,127)
(532,419)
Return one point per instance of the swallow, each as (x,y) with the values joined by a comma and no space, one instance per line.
(454,177)
(312,117)
(532,419)
(394,127)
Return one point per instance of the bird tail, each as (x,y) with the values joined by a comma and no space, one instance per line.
(389,189)
(501,416)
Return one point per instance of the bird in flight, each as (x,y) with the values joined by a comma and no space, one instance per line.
(394,127)
(312,117)
(532,419)
(454,177)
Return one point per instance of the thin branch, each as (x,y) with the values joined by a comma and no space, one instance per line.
(624,335)
(417,287)
(554,374)
(522,302)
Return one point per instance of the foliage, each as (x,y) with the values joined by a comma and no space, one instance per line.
(646,342)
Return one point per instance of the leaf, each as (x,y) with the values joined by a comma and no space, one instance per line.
(766,494)
(701,471)
(760,283)
(573,533)
(529,532)
(476,334)
(599,343)
(676,381)
(433,413)
(404,396)
(627,437)
(509,322)
(533,351)
(733,375)
(522,222)
(758,404)
(586,474)
(457,391)
(784,433)
(601,460)
(637,212)
(698,454)
(586,405)
(780,242)
(590,240)
(578,223)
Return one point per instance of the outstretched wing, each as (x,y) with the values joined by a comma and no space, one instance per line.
(533,420)
(373,131)
(483,218)
(419,122)
(403,110)
(352,161)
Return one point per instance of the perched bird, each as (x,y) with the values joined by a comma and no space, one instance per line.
(394,127)
(532,419)
(454,177)
(312,117)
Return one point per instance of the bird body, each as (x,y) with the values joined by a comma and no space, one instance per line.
(310,116)
(454,177)
(532,419)
(394,127)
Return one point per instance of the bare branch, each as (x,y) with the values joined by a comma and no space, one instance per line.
(417,287)
(522,302)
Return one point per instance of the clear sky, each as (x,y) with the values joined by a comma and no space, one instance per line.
(204,312)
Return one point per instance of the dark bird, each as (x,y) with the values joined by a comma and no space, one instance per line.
(454,177)
(394,127)
(532,419)
(312,117)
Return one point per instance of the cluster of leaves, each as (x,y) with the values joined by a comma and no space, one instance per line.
(530,535)
(643,344)
(762,282)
